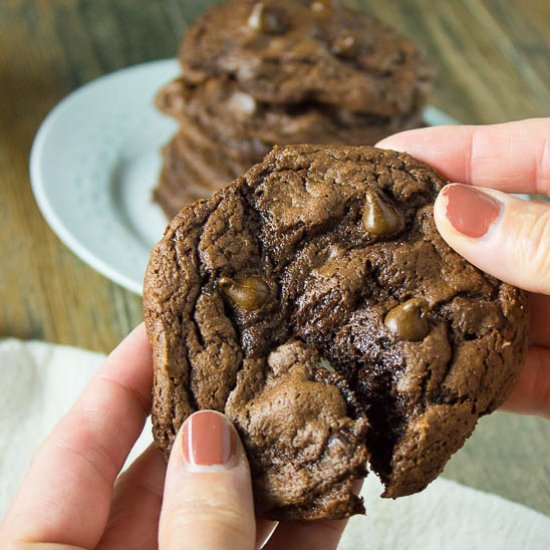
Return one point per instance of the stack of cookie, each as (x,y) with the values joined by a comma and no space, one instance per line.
(256,74)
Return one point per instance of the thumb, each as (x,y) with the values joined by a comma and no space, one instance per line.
(208,495)
(504,236)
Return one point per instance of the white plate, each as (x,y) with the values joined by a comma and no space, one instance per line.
(94,164)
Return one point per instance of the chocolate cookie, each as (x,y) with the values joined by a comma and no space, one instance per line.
(178,183)
(190,172)
(315,304)
(304,51)
(233,117)
(174,100)
(214,168)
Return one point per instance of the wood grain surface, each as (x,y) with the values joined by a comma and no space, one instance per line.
(493,64)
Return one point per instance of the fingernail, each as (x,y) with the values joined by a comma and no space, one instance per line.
(470,211)
(209,441)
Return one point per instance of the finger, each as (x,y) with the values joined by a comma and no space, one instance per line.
(531,394)
(75,467)
(512,157)
(137,498)
(502,235)
(208,493)
(321,535)
(539,309)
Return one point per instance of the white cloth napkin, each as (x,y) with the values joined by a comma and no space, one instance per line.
(39,381)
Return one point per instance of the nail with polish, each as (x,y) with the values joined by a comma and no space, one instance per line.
(469,210)
(209,441)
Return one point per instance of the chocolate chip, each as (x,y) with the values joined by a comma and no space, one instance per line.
(321,5)
(407,320)
(266,20)
(242,103)
(248,293)
(380,218)
(345,46)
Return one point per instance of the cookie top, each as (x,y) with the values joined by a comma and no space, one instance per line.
(234,117)
(295,51)
(314,303)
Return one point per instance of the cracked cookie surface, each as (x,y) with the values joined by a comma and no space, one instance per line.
(315,304)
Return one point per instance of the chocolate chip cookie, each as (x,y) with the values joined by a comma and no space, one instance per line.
(202,126)
(191,172)
(233,117)
(294,51)
(315,304)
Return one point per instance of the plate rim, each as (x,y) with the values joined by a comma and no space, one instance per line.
(39,185)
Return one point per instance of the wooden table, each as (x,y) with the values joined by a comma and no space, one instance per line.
(493,60)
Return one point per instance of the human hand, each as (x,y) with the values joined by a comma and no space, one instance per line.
(71,497)
(502,235)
